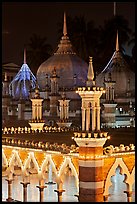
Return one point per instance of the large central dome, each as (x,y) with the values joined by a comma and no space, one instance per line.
(71,69)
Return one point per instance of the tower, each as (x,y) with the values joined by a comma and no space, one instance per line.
(90,141)
(5,97)
(54,95)
(36,122)
(109,114)
(64,112)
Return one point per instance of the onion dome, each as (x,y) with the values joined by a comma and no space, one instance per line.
(68,65)
(23,82)
(120,72)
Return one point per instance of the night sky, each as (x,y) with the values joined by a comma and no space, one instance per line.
(21,19)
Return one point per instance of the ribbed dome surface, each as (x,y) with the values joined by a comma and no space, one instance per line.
(71,69)
(120,72)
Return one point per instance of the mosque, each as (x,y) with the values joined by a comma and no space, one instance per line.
(52,92)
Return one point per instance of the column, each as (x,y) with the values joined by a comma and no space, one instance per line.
(40,111)
(9,199)
(33,111)
(98,117)
(37,111)
(41,191)
(83,118)
(59,191)
(93,118)
(87,119)
(25,184)
(129,196)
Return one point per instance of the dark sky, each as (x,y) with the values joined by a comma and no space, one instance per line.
(21,19)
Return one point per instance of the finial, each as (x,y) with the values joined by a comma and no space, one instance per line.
(65,25)
(24,56)
(90,76)
(117,43)
(90,70)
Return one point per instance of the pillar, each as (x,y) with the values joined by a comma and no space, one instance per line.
(83,118)
(25,190)
(93,118)
(129,196)
(87,119)
(91,162)
(98,117)
(9,199)
(41,191)
(59,192)
(41,188)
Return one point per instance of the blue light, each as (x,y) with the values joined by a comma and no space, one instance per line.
(22,83)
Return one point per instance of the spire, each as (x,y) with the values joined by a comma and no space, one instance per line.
(24,56)
(90,70)
(117,43)
(65,25)
(90,76)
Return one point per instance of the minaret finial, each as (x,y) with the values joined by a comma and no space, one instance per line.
(24,56)
(90,70)
(65,25)
(90,76)
(117,43)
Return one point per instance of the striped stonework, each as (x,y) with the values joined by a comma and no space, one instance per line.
(91,164)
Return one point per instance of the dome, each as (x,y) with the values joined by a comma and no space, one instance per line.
(23,82)
(70,68)
(120,73)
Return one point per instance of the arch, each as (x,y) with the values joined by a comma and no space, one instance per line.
(4,160)
(123,170)
(47,160)
(15,160)
(27,164)
(68,161)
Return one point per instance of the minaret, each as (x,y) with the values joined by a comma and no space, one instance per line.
(90,141)
(54,95)
(5,97)
(37,122)
(64,112)
(109,115)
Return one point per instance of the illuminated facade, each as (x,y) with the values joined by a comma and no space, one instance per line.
(63,73)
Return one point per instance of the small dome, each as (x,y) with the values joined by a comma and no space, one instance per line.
(120,73)
(67,64)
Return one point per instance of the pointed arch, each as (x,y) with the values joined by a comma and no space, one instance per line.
(15,160)
(45,163)
(4,160)
(68,161)
(27,163)
(123,170)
